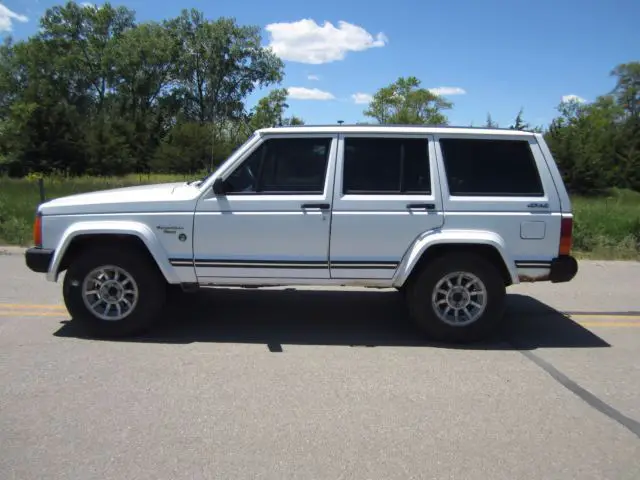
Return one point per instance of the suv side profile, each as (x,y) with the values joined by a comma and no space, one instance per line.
(448,216)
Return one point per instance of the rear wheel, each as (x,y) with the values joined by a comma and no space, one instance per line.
(114,292)
(457,298)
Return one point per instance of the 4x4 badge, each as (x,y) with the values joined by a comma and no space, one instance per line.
(538,205)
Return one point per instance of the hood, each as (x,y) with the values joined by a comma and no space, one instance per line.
(121,200)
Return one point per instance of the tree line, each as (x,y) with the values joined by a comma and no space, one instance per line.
(596,144)
(96,93)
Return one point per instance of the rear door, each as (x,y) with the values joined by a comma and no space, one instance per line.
(386,193)
(501,183)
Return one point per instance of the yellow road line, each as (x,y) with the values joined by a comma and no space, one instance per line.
(26,306)
(610,324)
(53,310)
(601,316)
(32,314)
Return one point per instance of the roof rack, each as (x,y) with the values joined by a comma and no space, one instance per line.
(398,125)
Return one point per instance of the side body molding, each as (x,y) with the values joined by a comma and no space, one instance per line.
(452,237)
(140,230)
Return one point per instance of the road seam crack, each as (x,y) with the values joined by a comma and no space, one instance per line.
(601,406)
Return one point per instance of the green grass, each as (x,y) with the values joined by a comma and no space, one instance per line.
(20,197)
(605,227)
(608,228)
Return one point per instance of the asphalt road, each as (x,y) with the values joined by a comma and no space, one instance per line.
(315,384)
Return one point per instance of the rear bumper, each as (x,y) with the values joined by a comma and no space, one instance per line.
(563,269)
(38,259)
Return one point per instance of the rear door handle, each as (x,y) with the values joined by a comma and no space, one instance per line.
(321,206)
(421,206)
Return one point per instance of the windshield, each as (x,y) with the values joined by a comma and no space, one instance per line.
(202,180)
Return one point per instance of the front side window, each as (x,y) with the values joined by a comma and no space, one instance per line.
(386,166)
(283,165)
(503,168)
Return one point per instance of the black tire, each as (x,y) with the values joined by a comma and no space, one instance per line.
(423,313)
(151,285)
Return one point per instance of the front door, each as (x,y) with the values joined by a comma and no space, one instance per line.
(386,194)
(273,220)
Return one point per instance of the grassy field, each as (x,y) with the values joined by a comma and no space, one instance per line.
(606,227)
(20,197)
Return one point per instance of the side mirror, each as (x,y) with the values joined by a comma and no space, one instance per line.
(218,186)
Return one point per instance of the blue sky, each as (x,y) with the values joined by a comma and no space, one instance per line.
(488,56)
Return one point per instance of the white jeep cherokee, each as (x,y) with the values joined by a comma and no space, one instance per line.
(448,216)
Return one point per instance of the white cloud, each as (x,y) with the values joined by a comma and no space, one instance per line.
(448,91)
(569,98)
(7,17)
(302,93)
(361,97)
(305,41)
(313,77)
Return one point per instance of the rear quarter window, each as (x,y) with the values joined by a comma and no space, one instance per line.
(488,167)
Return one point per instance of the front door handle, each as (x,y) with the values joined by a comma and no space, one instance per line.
(321,206)
(421,206)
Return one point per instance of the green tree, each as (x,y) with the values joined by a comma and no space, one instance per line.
(519,123)
(490,123)
(269,111)
(46,110)
(293,120)
(143,78)
(86,39)
(185,149)
(585,139)
(404,102)
(627,89)
(220,64)
(95,92)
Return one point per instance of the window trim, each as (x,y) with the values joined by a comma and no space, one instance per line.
(390,136)
(332,145)
(492,195)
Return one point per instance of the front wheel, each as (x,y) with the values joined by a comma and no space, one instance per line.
(113,292)
(457,298)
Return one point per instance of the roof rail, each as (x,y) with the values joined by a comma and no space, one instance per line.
(398,125)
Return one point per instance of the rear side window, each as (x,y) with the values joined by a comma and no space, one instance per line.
(386,166)
(502,168)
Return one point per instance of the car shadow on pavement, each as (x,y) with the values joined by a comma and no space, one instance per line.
(340,317)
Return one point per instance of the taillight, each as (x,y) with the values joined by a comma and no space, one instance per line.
(37,230)
(566,235)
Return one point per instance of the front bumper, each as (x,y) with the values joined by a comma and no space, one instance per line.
(38,259)
(563,269)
